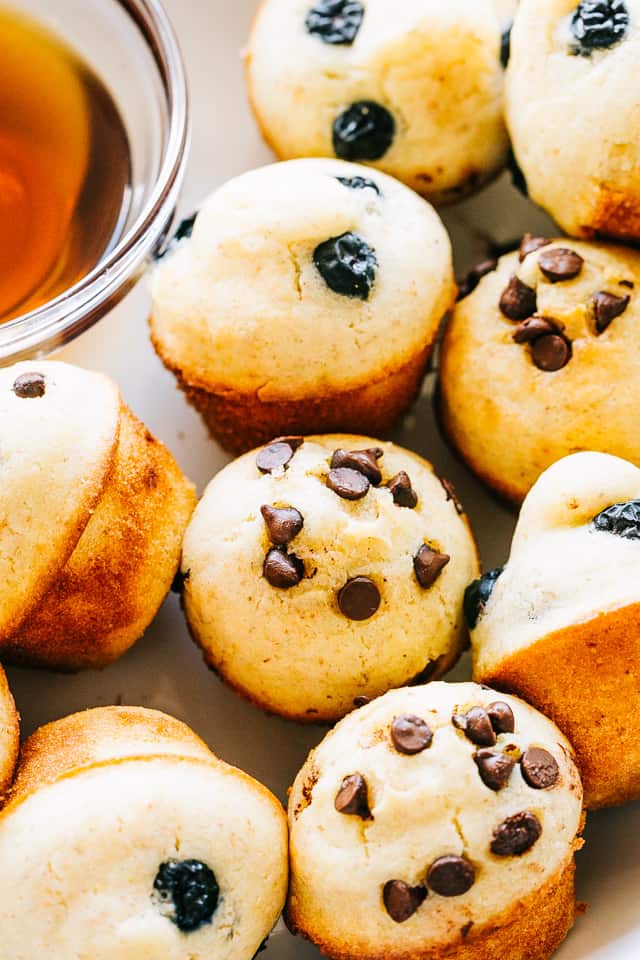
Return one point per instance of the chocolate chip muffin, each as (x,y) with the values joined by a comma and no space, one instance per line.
(307,299)
(434,823)
(125,837)
(322,572)
(93,512)
(573,108)
(529,359)
(418,94)
(560,625)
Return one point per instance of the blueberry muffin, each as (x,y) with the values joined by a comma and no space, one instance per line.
(529,359)
(93,510)
(322,572)
(418,94)
(573,109)
(125,838)
(9,735)
(307,299)
(435,823)
(560,625)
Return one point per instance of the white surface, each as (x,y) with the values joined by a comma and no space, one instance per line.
(165,670)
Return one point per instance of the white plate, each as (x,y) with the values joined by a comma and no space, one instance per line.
(165,670)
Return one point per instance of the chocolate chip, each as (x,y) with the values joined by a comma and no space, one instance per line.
(359,599)
(515,835)
(539,768)
(494,768)
(451,876)
(534,328)
(281,569)
(364,461)
(428,565)
(29,386)
(348,484)
(452,494)
(476,726)
(501,716)
(401,901)
(475,275)
(402,492)
(283,523)
(278,454)
(551,352)
(518,301)
(560,264)
(411,735)
(353,797)
(361,702)
(530,244)
(606,307)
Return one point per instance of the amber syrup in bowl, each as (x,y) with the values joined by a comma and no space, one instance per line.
(64,166)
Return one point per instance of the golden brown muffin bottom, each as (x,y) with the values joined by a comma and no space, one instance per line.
(586,678)
(532,929)
(122,567)
(242,421)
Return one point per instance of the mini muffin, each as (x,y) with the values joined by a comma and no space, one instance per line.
(125,838)
(322,572)
(307,299)
(418,94)
(573,109)
(530,357)
(435,823)
(9,735)
(93,511)
(560,625)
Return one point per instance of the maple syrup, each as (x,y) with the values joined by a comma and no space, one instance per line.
(64,167)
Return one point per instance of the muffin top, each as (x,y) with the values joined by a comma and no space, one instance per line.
(58,431)
(530,356)
(153,847)
(439,808)
(321,570)
(573,71)
(302,278)
(575,555)
(417,94)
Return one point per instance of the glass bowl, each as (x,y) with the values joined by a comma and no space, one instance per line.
(131,46)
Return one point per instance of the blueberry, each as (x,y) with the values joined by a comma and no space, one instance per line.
(476,596)
(359,183)
(190,891)
(335,21)
(598,25)
(364,131)
(347,265)
(505,45)
(183,232)
(622,519)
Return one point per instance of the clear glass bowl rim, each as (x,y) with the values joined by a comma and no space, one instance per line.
(75,310)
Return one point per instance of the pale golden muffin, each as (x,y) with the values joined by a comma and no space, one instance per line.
(436,823)
(9,735)
(307,299)
(92,514)
(573,111)
(542,360)
(418,94)
(319,572)
(125,838)
(560,625)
